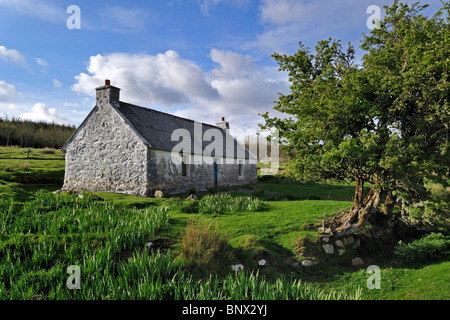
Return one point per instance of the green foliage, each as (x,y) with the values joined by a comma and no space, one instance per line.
(189,206)
(385,122)
(430,247)
(253,286)
(40,237)
(23,133)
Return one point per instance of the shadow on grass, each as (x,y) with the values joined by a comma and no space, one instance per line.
(27,192)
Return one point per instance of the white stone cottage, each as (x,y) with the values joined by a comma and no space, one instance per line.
(124,148)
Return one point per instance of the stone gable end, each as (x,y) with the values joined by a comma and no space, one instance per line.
(106,155)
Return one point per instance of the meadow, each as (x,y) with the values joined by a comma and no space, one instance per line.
(129,247)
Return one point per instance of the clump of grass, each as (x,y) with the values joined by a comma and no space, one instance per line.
(16,166)
(253,286)
(223,203)
(427,248)
(26,166)
(48,150)
(202,246)
(189,206)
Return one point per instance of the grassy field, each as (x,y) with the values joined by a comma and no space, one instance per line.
(41,234)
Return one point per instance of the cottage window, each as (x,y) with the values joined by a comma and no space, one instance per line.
(184,169)
(241,169)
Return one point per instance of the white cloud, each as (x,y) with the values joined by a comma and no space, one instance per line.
(12,55)
(287,22)
(236,88)
(163,79)
(57,83)
(42,9)
(41,62)
(11,109)
(7,91)
(245,89)
(40,112)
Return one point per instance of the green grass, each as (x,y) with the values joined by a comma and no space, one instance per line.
(426,282)
(41,238)
(41,234)
(24,177)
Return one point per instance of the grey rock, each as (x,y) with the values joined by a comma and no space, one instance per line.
(329,249)
(339,243)
(292,263)
(357,262)
(308,263)
(237,267)
(349,240)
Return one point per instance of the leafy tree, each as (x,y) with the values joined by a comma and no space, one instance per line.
(384,124)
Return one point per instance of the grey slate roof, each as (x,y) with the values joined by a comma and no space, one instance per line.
(156,128)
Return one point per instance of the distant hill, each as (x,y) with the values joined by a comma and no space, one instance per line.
(24,133)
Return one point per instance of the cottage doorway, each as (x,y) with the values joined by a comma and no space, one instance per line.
(215,172)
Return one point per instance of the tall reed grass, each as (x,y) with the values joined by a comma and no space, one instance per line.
(40,239)
(202,247)
(223,203)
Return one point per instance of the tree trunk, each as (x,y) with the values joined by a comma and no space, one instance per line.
(362,209)
(388,205)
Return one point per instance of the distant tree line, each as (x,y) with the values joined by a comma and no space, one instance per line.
(24,133)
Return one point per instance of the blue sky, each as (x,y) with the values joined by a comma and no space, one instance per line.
(200,59)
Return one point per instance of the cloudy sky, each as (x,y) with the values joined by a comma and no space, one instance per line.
(200,59)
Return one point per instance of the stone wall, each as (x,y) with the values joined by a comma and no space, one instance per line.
(338,246)
(106,155)
(165,175)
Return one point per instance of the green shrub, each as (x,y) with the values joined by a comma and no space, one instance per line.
(189,206)
(223,203)
(202,246)
(427,248)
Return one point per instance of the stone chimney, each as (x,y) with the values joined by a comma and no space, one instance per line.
(107,94)
(223,124)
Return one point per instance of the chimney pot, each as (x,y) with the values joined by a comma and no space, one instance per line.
(107,83)
(223,124)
